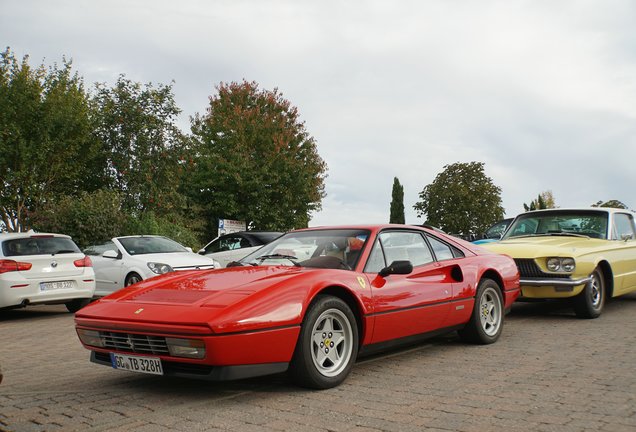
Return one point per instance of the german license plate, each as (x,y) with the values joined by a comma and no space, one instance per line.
(149,365)
(50,286)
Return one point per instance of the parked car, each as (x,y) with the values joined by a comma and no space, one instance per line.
(123,261)
(495,232)
(234,246)
(311,301)
(43,268)
(587,255)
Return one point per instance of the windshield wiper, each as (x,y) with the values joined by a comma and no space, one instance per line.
(63,251)
(279,256)
(548,234)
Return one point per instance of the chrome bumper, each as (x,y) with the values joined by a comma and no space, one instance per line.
(559,285)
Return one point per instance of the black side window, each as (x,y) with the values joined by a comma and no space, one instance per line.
(442,250)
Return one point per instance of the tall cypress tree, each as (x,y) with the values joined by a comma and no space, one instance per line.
(397,203)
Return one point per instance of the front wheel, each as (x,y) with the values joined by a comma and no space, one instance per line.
(486,321)
(589,304)
(327,345)
(132,278)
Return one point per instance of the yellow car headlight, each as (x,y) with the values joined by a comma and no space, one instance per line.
(561,265)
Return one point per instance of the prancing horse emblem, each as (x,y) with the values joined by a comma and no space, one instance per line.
(140,310)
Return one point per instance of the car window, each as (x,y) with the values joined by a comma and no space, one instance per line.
(623,227)
(38,246)
(399,246)
(98,250)
(583,222)
(228,243)
(149,245)
(442,250)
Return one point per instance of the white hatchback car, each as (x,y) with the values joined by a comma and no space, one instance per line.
(39,268)
(123,261)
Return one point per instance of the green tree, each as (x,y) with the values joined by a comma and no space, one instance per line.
(611,203)
(46,146)
(545,200)
(255,161)
(397,203)
(89,218)
(144,149)
(461,200)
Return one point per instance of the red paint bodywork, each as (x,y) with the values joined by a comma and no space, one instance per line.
(252,315)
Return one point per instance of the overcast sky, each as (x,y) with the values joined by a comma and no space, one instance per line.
(542,92)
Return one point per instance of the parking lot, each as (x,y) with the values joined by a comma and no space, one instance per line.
(548,372)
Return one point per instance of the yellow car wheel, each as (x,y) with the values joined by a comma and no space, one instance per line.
(589,304)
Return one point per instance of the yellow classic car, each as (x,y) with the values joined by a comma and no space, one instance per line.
(584,254)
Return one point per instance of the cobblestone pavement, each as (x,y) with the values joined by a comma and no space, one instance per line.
(548,372)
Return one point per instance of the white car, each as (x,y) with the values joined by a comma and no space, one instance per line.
(123,261)
(40,268)
(234,246)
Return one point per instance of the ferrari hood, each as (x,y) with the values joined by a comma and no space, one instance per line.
(541,246)
(208,297)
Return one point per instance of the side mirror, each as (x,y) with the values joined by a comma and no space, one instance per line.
(201,251)
(189,249)
(110,254)
(397,267)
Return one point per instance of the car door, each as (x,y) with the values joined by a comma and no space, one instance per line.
(624,258)
(108,271)
(406,305)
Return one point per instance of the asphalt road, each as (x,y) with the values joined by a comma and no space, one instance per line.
(549,372)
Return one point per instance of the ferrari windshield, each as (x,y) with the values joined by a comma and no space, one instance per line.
(150,245)
(567,222)
(329,248)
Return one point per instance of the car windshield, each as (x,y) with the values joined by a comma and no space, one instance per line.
(40,245)
(567,222)
(328,248)
(150,245)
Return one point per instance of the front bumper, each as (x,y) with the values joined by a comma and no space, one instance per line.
(552,288)
(206,372)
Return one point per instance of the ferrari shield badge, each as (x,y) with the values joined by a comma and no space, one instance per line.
(138,311)
(362,282)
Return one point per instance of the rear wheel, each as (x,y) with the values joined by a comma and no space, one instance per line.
(589,304)
(327,345)
(486,321)
(132,278)
(75,305)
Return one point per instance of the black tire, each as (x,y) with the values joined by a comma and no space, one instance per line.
(132,278)
(589,304)
(327,346)
(75,305)
(487,319)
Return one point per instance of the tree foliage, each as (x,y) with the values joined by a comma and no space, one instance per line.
(397,203)
(611,203)
(254,160)
(89,218)
(46,146)
(545,200)
(461,200)
(143,146)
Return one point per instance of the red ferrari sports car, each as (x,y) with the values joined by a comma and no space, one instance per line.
(310,302)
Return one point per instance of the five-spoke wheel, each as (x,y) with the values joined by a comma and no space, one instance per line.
(486,321)
(327,346)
